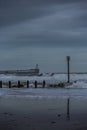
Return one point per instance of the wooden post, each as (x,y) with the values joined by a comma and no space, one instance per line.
(68,68)
(9,84)
(44,83)
(27,84)
(0,84)
(35,84)
(18,84)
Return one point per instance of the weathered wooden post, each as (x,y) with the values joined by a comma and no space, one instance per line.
(0,84)
(9,84)
(44,83)
(27,84)
(35,84)
(18,84)
(68,68)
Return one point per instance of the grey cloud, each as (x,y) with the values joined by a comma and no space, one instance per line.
(12,12)
(61,24)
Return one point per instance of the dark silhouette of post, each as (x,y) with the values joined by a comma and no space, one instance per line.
(35,84)
(0,84)
(19,84)
(44,83)
(9,84)
(68,109)
(68,68)
(27,84)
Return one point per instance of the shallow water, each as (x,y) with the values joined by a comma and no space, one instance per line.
(41,93)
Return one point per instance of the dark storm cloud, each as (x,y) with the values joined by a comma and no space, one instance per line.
(13,11)
(43,23)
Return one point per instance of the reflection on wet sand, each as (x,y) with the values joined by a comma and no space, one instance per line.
(68,109)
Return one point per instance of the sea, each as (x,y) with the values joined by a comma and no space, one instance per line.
(78,88)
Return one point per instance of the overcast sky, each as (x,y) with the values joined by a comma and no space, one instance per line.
(43,32)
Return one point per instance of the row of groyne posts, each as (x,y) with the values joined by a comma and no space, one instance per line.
(19,84)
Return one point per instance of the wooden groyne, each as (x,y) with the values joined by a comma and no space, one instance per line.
(36,84)
(20,84)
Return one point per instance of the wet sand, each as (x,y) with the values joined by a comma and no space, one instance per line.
(43,114)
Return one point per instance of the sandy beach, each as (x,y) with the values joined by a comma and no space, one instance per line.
(43,114)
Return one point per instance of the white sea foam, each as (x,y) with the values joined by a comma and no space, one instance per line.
(79,80)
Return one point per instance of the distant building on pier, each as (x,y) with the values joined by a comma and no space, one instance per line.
(26,72)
